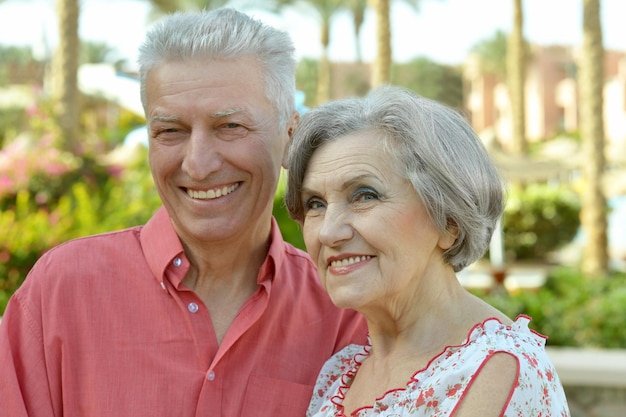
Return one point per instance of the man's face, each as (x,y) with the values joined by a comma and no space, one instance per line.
(215,147)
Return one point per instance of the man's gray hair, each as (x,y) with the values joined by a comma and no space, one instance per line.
(224,34)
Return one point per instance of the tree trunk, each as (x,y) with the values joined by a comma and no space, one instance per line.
(381,73)
(65,74)
(516,77)
(591,82)
(357,18)
(323,71)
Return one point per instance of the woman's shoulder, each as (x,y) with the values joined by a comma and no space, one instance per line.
(492,336)
(347,359)
(515,336)
(336,374)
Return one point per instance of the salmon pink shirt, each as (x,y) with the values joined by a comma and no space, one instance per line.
(103,326)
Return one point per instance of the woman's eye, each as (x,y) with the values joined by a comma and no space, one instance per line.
(366,194)
(313,204)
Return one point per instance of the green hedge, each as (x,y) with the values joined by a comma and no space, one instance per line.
(539,219)
(573,310)
(88,200)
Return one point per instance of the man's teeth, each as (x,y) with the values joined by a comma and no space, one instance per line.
(211,194)
(349,261)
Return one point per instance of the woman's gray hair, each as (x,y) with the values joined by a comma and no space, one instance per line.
(436,149)
(224,33)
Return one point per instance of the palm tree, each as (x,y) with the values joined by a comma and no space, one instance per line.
(516,77)
(325,9)
(381,72)
(65,74)
(357,8)
(492,54)
(591,84)
(169,6)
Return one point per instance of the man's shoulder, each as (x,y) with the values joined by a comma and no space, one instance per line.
(117,239)
(297,258)
(106,248)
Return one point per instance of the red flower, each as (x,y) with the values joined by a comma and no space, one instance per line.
(453,390)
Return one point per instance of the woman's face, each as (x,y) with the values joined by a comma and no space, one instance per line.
(365,225)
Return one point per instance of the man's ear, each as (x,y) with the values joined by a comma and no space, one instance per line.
(291,128)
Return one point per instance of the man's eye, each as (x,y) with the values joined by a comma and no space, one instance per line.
(232,131)
(164,131)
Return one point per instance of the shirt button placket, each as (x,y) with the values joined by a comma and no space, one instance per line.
(192,307)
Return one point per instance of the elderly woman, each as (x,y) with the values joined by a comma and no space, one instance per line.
(395,194)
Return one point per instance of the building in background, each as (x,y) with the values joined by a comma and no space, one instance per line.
(551,97)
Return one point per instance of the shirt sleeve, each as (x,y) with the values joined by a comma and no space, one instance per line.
(539,390)
(24,387)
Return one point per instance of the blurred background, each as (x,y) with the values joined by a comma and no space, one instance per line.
(543,82)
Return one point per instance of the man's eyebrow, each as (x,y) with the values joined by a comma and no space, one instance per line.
(216,115)
(162,118)
(227,112)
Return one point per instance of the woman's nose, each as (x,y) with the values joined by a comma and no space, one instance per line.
(336,227)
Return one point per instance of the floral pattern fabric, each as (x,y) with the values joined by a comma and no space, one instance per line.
(436,390)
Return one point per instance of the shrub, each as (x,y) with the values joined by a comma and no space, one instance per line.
(89,199)
(289,228)
(572,310)
(539,219)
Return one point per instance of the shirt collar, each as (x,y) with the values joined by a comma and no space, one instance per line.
(275,256)
(161,245)
(163,249)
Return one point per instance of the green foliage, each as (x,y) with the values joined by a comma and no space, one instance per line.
(492,54)
(572,310)
(14,59)
(538,219)
(87,200)
(430,79)
(289,228)
(10,120)
(306,79)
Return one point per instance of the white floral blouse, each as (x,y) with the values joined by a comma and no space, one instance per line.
(436,390)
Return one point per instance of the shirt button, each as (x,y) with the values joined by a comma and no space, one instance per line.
(178,262)
(211,376)
(192,307)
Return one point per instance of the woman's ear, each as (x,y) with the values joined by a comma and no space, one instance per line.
(447,239)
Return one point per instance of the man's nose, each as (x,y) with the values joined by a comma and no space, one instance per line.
(202,155)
